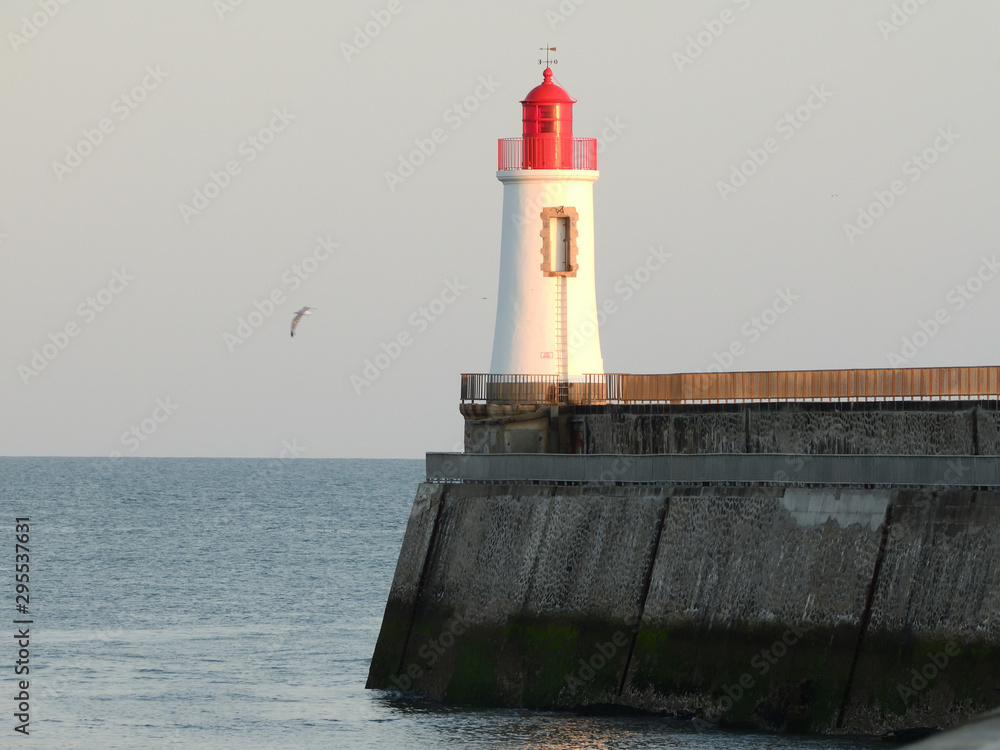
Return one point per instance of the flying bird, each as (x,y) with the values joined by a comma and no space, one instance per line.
(298,316)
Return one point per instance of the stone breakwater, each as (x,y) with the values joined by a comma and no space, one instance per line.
(916,428)
(784,608)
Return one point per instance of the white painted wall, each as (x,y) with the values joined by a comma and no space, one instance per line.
(525,324)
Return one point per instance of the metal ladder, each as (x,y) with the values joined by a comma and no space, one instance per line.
(562,352)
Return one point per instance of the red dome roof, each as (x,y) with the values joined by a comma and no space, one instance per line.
(548,92)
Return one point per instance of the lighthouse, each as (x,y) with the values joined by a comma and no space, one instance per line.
(547,303)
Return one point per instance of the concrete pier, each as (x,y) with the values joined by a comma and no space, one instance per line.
(792,602)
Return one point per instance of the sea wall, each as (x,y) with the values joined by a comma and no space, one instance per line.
(784,608)
(846,428)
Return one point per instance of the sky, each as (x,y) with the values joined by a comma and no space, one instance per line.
(783,185)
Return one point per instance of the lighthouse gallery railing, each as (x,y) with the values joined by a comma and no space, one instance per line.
(515,153)
(802,385)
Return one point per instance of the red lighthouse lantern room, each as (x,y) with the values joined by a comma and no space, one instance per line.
(547,140)
(548,126)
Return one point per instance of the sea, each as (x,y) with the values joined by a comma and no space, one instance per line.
(235,603)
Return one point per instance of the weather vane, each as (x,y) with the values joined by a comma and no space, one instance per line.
(548,62)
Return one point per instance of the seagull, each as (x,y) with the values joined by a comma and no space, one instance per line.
(298,316)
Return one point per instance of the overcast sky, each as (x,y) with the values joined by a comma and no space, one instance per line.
(747,139)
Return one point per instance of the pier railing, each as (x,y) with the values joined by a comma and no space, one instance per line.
(516,153)
(945,383)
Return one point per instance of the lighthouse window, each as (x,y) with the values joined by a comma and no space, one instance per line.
(547,119)
(559,233)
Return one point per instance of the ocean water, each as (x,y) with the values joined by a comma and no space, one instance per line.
(230,603)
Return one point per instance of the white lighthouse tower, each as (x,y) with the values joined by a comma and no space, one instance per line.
(547,302)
